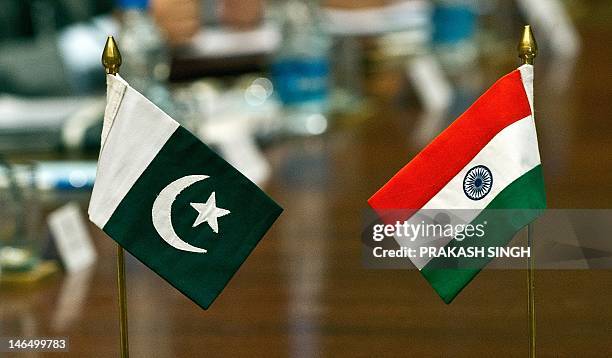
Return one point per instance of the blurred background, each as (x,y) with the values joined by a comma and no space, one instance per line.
(319,103)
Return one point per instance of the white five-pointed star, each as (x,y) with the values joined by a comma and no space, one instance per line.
(209,212)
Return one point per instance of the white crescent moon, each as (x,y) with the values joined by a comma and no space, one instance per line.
(162,212)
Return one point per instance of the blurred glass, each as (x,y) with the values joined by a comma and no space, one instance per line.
(19,219)
(301,68)
(146,58)
(455,25)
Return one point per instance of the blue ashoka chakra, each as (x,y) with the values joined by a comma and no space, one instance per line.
(477,182)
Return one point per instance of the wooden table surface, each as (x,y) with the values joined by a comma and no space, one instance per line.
(304,292)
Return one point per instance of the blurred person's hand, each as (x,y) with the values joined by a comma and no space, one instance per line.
(242,13)
(180,19)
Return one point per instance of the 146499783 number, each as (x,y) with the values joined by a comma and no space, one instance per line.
(15,344)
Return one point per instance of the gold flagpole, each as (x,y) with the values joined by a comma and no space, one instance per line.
(111,59)
(527,50)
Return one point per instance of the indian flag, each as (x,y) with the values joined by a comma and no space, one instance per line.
(486,159)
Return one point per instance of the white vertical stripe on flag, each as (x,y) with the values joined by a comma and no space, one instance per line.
(136,130)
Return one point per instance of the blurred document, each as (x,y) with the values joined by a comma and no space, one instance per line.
(71,237)
(226,42)
(37,113)
(399,16)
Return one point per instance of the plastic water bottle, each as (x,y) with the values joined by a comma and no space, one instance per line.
(301,69)
(146,64)
(455,25)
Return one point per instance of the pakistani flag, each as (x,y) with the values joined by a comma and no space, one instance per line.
(486,160)
(171,201)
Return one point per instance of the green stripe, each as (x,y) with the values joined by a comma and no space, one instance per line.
(523,201)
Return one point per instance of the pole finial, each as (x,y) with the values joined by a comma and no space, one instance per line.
(111,57)
(527,47)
